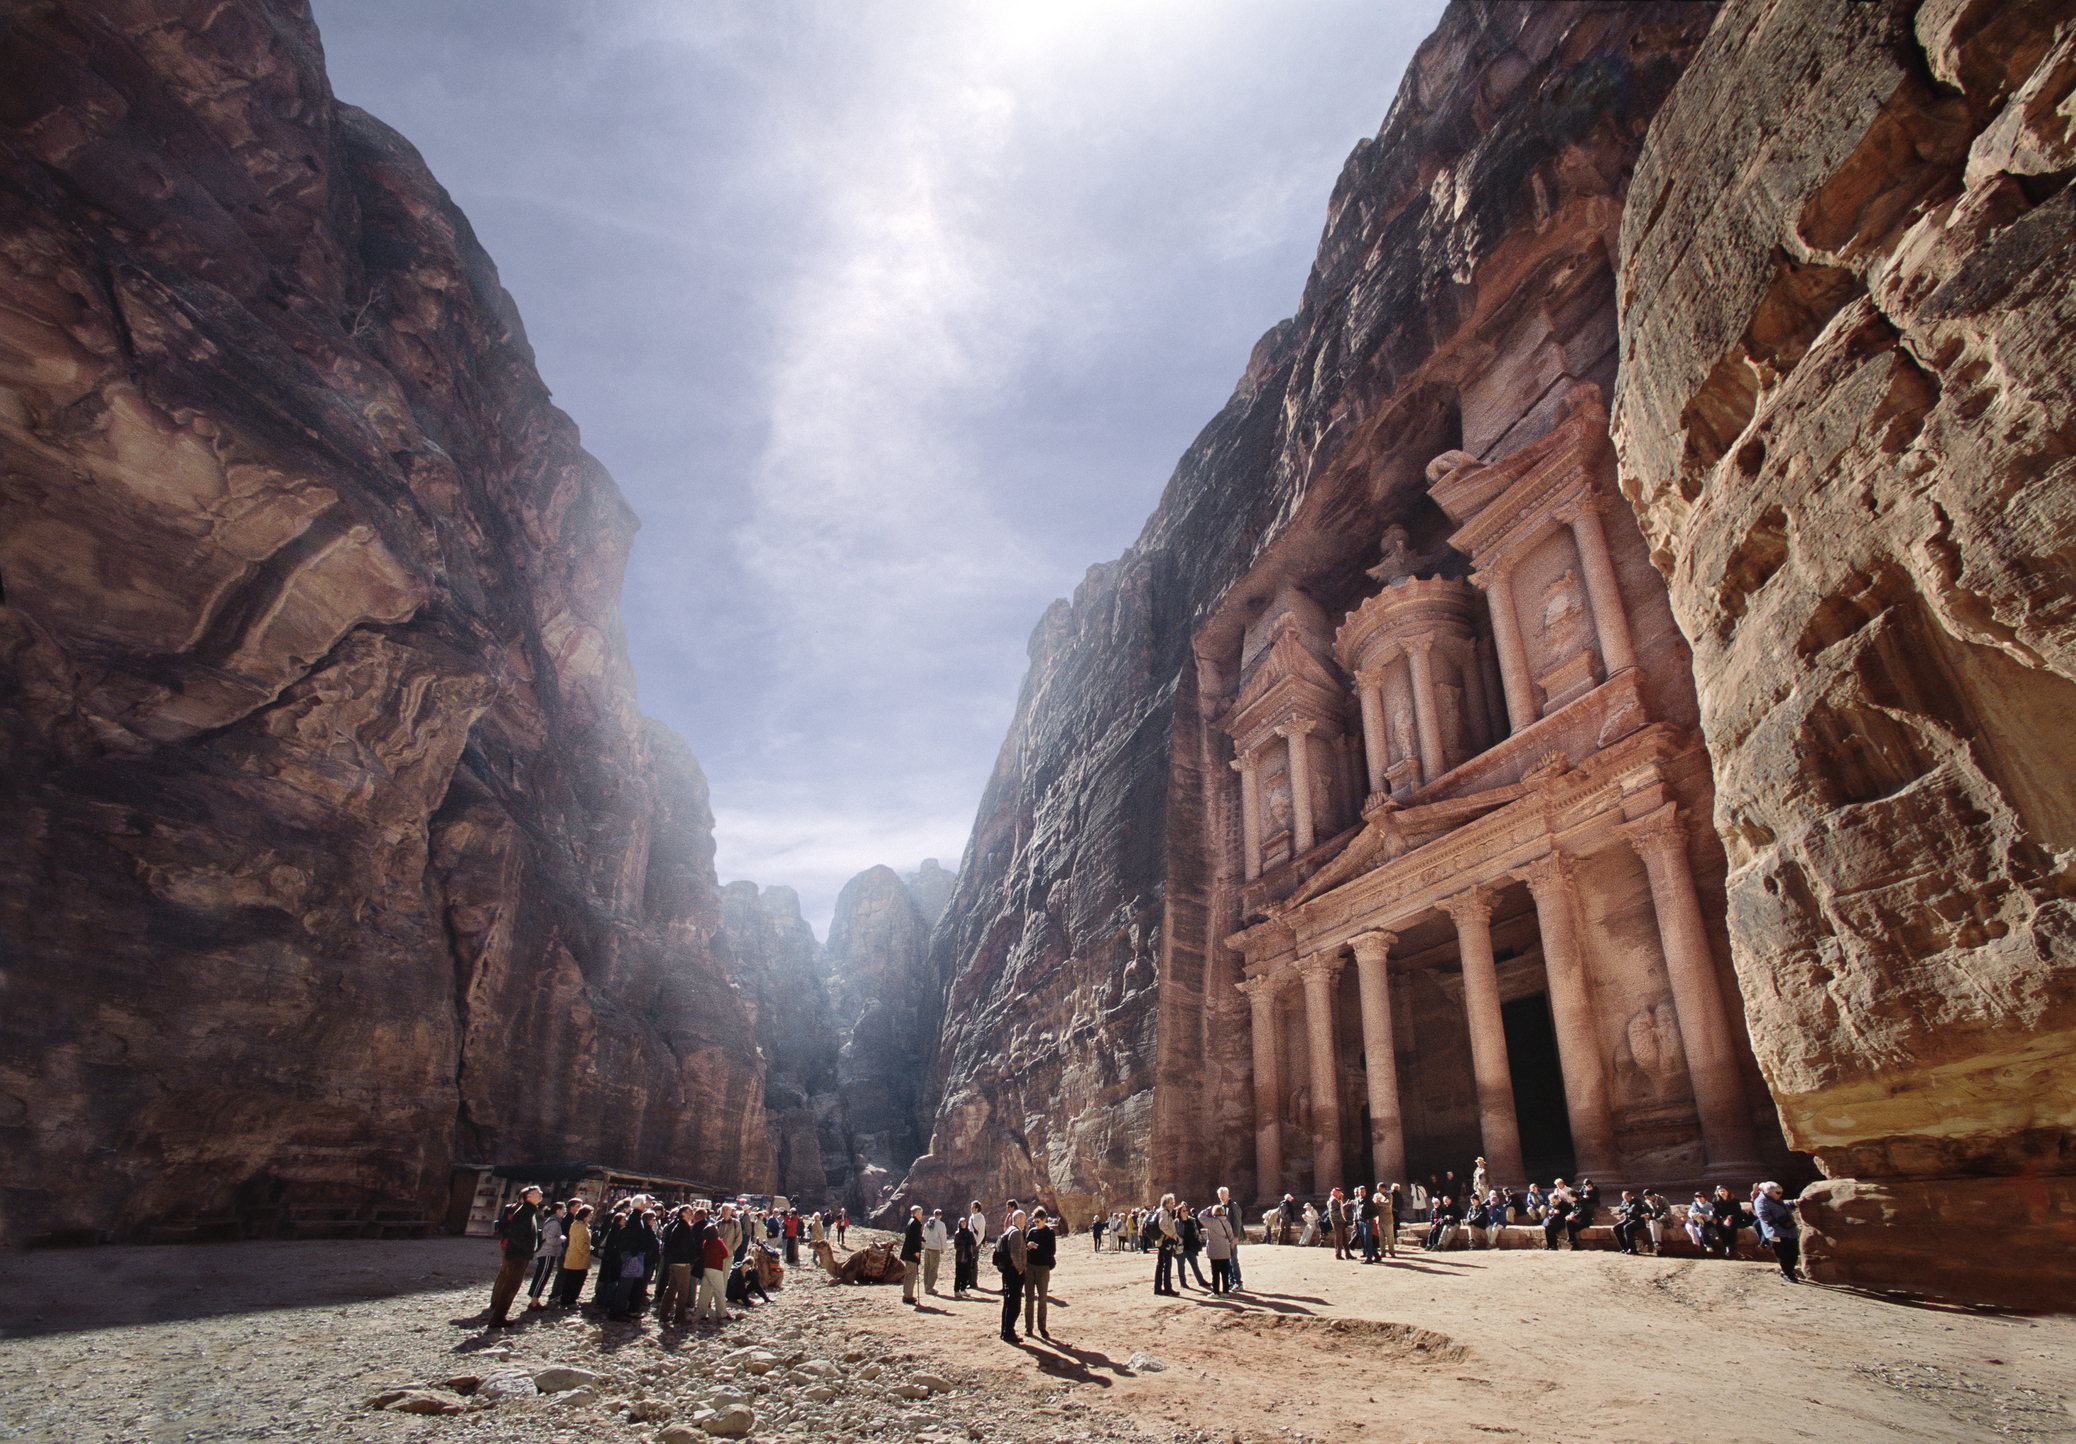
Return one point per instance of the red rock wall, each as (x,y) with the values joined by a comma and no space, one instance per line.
(1846,417)
(1092,1045)
(330,835)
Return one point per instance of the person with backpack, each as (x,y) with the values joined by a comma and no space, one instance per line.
(1011,1259)
(518,1236)
(1166,1238)
(638,1250)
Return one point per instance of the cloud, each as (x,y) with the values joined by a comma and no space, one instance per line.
(889,317)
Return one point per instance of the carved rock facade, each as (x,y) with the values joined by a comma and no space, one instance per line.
(1846,416)
(1095,1039)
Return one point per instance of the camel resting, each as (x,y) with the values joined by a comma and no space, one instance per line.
(874,1264)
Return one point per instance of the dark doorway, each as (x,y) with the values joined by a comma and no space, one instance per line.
(1538,1078)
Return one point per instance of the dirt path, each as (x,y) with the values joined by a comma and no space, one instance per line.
(255,1341)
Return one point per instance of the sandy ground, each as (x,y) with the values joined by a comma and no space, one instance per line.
(267,1340)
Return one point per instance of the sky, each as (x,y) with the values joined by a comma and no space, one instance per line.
(890,318)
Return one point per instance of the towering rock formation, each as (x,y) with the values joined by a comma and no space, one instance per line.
(1095,1043)
(330,834)
(1846,416)
(771,954)
(884,994)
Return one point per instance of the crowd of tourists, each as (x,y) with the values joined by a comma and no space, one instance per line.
(695,1259)
(698,1261)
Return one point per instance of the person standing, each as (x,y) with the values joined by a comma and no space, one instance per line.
(1481,1179)
(519,1234)
(1095,1230)
(683,1253)
(843,1224)
(978,1222)
(636,1247)
(1287,1215)
(1191,1228)
(1236,1226)
(713,1279)
(1166,1237)
(965,1260)
(1778,1227)
(911,1253)
(1218,1244)
(1011,1259)
(576,1257)
(934,1239)
(547,1256)
(792,1235)
(1041,1252)
(818,1224)
(1337,1220)
(1394,1215)
(1372,1209)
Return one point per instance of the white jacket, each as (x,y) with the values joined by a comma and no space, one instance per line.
(935,1234)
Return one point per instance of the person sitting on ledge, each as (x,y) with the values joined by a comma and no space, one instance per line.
(1556,1214)
(1630,1218)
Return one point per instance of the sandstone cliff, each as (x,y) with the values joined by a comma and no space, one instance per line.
(1846,418)
(1093,1043)
(771,954)
(330,834)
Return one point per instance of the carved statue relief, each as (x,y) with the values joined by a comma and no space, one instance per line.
(1651,1064)
(1448,706)
(1405,740)
(1563,620)
(1277,813)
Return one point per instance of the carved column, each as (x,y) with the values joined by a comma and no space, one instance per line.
(1319,972)
(1495,696)
(1610,622)
(1294,732)
(1697,995)
(1419,656)
(1506,640)
(1571,1009)
(1380,1056)
(1370,688)
(1250,814)
(1476,738)
(1472,911)
(1268,1086)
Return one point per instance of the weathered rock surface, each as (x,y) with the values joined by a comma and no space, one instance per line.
(1846,416)
(885,995)
(771,953)
(330,835)
(1093,1043)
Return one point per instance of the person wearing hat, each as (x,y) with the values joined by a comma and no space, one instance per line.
(518,1234)
(911,1254)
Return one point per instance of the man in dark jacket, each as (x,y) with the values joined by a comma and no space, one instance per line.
(1011,1260)
(911,1254)
(1632,1220)
(1779,1227)
(682,1257)
(519,1234)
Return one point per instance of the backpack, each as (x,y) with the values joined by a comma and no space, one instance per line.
(1001,1260)
(1150,1231)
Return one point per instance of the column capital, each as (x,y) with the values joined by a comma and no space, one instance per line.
(1373,946)
(1262,989)
(1497,572)
(1296,727)
(1587,500)
(1656,832)
(1323,966)
(1473,903)
(1422,642)
(1546,875)
(1370,676)
(1245,761)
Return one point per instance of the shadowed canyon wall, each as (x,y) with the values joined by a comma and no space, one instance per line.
(1094,1045)
(1846,417)
(330,834)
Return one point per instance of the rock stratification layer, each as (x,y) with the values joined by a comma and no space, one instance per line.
(330,834)
(1847,419)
